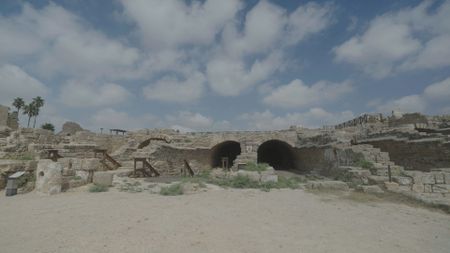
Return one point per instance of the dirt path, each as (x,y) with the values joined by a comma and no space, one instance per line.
(216,221)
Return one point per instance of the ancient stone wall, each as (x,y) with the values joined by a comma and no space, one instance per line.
(406,119)
(361,120)
(169,160)
(4,115)
(422,154)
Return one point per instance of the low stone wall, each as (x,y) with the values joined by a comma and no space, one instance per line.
(422,182)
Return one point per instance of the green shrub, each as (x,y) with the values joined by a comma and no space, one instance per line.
(291,183)
(256,167)
(98,188)
(364,164)
(48,126)
(172,190)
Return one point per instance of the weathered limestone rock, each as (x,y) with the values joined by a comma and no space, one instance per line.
(218,173)
(48,177)
(417,187)
(428,178)
(269,175)
(402,180)
(439,177)
(377,179)
(68,172)
(103,178)
(371,189)
(327,185)
(84,175)
(428,188)
(447,178)
(391,186)
(441,188)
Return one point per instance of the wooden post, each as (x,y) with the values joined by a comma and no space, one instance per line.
(389,173)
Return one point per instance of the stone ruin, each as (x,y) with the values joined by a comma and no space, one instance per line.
(403,153)
(8,121)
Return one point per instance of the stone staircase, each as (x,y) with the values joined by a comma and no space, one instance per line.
(380,160)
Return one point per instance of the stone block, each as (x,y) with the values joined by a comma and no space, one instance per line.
(84,175)
(103,178)
(428,178)
(49,177)
(269,178)
(418,187)
(377,179)
(253,175)
(402,180)
(428,188)
(441,188)
(68,172)
(447,178)
(372,189)
(218,173)
(391,186)
(417,176)
(327,185)
(439,177)
(360,173)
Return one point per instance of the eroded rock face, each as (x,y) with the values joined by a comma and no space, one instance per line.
(49,177)
(70,128)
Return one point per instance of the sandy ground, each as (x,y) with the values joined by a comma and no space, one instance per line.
(216,221)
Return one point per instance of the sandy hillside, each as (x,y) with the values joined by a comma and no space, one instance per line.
(216,221)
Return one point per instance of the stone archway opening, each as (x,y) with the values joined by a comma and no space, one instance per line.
(228,150)
(278,154)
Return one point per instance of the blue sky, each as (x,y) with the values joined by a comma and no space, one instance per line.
(224,65)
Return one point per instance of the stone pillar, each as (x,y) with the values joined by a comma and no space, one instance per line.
(49,177)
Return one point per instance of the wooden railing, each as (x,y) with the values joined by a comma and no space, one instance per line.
(105,157)
(187,169)
(147,169)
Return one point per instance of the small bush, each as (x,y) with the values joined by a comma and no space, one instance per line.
(172,190)
(131,187)
(291,183)
(242,182)
(98,188)
(48,126)
(256,167)
(365,164)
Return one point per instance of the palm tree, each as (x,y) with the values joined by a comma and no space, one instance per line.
(38,103)
(29,111)
(18,103)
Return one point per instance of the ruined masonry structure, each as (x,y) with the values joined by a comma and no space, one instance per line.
(416,149)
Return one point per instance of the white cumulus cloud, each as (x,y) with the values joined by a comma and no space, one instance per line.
(14,82)
(86,94)
(296,94)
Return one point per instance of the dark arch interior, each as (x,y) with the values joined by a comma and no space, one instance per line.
(229,149)
(277,154)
